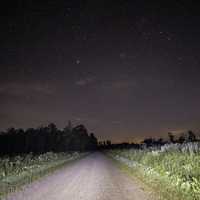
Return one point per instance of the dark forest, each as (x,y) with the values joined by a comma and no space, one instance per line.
(47,138)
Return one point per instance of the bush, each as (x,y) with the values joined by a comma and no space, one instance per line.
(177,163)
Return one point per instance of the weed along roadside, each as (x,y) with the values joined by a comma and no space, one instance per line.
(17,171)
(171,171)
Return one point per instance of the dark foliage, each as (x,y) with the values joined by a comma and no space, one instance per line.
(150,142)
(125,145)
(48,138)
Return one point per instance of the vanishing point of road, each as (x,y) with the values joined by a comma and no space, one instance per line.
(94,177)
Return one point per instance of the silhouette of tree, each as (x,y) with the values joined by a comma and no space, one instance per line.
(191,136)
(148,141)
(171,137)
(47,138)
(93,142)
(181,139)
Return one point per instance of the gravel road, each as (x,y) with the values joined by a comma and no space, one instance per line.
(94,177)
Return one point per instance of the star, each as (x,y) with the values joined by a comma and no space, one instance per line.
(78,62)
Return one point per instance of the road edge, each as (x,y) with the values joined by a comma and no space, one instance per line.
(25,181)
(137,178)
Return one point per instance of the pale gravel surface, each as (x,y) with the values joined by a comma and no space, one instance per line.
(94,177)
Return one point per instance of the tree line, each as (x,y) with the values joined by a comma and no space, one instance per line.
(47,138)
(189,136)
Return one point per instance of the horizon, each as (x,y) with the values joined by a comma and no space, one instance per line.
(135,140)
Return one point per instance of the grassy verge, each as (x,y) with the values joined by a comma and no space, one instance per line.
(137,178)
(17,171)
(156,188)
(171,175)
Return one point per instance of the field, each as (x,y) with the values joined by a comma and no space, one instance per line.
(172,170)
(19,170)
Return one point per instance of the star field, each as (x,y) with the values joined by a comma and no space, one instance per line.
(125,69)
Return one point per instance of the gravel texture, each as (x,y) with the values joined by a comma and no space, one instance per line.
(94,177)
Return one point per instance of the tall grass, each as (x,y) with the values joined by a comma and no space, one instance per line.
(19,170)
(174,169)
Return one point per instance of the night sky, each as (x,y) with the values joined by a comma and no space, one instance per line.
(125,69)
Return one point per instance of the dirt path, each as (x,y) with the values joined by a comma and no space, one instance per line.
(92,178)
